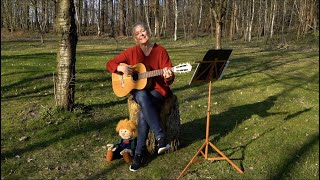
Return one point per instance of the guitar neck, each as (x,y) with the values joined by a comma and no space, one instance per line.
(153,73)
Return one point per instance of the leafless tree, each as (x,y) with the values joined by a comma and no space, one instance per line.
(66,55)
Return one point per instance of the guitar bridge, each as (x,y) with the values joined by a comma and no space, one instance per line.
(122,81)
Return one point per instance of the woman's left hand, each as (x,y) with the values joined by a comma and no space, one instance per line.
(167,74)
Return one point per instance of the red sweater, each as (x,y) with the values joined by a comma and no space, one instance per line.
(157,59)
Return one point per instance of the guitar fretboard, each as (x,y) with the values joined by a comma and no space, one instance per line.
(153,73)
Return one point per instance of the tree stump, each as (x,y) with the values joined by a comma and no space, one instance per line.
(170,122)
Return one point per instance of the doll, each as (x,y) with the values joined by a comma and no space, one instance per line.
(127,130)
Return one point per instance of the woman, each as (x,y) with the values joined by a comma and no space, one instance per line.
(154,57)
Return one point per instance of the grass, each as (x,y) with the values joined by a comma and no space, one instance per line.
(264,113)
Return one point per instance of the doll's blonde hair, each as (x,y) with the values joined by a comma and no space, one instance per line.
(127,124)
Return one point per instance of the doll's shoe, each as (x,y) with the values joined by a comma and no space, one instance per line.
(136,164)
(109,155)
(162,145)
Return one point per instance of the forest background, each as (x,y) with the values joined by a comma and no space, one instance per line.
(183,19)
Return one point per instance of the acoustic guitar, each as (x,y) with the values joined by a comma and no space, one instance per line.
(123,84)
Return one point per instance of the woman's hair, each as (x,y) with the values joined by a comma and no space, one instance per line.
(139,23)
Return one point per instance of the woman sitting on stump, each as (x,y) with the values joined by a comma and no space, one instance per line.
(154,57)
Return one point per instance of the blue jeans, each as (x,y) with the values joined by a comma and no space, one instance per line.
(149,116)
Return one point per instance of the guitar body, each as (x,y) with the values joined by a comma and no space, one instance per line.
(123,84)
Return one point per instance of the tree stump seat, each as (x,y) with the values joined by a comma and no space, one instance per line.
(170,122)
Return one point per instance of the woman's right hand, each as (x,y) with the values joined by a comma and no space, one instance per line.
(127,70)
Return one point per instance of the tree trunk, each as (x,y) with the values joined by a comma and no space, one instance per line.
(113,33)
(164,20)
(219,11)
(218,34)
(8,15)
(211,22)
(156,19)
(175,19)
(99,19)
(274,11)
(194,21)
(184,20)
(260,20)
(65,80)
(146,9)
(200,15)
(102,15)
(232,21)
(141,10)
(132,16)
(251,21)
(121,18)
(265,27)
(85,17)
(283,19)
(79,22)
(246,20)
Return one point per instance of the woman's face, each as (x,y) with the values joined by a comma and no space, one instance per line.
(141,35)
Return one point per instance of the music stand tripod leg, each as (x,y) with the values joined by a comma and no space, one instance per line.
(191,161)
(225,157)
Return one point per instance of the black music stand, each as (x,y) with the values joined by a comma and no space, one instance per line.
(210,68)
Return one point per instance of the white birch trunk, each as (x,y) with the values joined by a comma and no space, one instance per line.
(175,19)
(251,21)
(200,14)
(273,17)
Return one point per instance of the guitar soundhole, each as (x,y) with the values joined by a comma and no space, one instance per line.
(135,76)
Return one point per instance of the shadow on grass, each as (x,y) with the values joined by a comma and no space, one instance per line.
(22,87)
(225,122)
(35,57)
(103,173)
(108,104)
(26,81)
(243,147)
(87,127)
(291,163)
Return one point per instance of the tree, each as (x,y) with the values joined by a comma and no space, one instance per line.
(41,25)
(175,19)
(146,9)
(156,19)
(236,19)
(232,21)
(65,80)
(122,17)
(219,11)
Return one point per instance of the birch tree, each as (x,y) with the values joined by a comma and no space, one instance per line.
(175,19)
(251,21)
(66,55)
(273,13)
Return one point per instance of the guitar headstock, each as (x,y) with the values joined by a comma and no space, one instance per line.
(182,68)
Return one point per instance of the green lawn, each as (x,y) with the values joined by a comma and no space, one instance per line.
(264,113)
